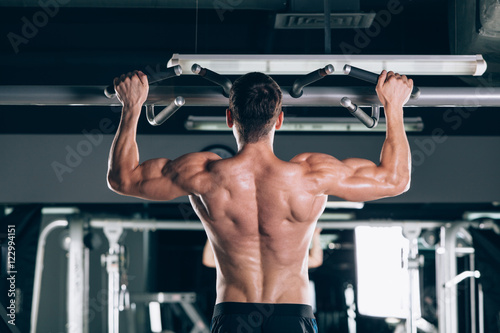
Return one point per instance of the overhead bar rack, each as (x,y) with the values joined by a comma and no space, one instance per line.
(301,65)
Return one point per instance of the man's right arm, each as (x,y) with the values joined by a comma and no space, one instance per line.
(357,179)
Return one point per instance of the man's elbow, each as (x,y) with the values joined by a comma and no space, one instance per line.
(117,184)
(402,185)
(208,263)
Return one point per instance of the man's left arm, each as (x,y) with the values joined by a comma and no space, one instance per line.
(156,179)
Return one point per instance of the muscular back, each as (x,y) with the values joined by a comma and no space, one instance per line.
(259,214)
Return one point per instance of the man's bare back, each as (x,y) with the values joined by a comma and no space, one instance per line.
(260,212)
(260,228)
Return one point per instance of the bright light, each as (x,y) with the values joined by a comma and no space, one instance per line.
(155,317)
(382,271)
(60,210)
(336,217)
(340,124)
(471,216)
(236,64)
(345,204)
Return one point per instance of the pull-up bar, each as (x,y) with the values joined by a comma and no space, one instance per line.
(203,96)
(297,95)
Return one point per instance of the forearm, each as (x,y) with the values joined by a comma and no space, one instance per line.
(124,154)
(395,157)
(315,253)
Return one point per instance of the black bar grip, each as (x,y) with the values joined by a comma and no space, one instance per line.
(301,82)
(156,77)
(214,77)
(370,77)
(368,121)
(164,114)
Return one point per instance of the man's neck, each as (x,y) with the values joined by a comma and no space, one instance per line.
(262,146)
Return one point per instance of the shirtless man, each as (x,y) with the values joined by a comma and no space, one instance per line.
(260,212)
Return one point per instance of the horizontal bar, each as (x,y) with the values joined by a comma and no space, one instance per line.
(163,297)
(212,96)
(301,124)
(141,224)
(462,276)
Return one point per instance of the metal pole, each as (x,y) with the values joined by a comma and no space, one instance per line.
(328,28)
(212,96)
(411,232)
(77,285)
(113,233)
(40,253)
(441,265)
(446,270)
(472,295)
(144,224)
(480,300)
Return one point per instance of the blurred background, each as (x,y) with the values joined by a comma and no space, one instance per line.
(54,158)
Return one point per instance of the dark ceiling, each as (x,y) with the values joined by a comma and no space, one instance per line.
(91,45)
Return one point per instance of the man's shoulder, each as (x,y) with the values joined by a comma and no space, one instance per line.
(202,158)
(192,164)
(312,159)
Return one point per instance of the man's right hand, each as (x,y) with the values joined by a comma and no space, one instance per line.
(393,89)
(132,89)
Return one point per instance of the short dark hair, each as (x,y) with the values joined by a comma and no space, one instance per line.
(255,103)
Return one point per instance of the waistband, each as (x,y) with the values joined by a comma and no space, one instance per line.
(267,309)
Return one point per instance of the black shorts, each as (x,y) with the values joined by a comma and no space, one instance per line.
(232,317)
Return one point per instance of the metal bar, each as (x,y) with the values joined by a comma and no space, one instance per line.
(170,72)
(446,270)
(362,116)
(464,250)
(40,253)
(113,233)
(372,78)
(211,96)
(182,225)
(163,297)
(199,325)
(308,79)
(472,284)
(164,114)
(480,300)
(412,232)
(328,28)
(214,77)
(460,277)
(76,279)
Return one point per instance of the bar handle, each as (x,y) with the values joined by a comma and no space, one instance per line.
(164,114)
(301,82)
(368,121)
(370,77)
(157,77)
(214,77)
